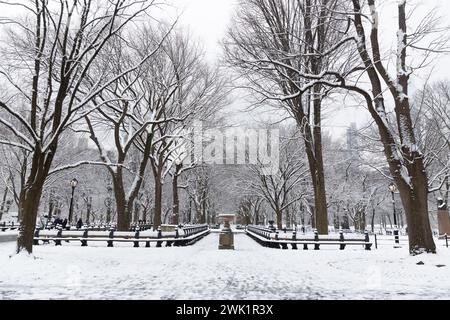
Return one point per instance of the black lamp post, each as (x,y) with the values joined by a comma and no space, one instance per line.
(108,203)
(73,184)
(190,211)
(393,189)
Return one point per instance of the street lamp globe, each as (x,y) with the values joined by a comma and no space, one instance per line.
(393,188)
(74,182)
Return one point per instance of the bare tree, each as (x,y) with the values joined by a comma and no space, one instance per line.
(186,89)
(178,168)
(401,149)
(405,159)
(199,191)
(275,41)
(277,189)
(46,80)
(128,109)
(250,209)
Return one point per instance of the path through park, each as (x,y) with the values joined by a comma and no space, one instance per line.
(203,272)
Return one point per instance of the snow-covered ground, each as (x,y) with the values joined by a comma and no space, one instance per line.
(203,272)
(8,235)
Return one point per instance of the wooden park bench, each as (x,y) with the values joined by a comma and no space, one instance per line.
(8,226)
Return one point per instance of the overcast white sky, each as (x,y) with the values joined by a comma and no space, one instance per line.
(207,19)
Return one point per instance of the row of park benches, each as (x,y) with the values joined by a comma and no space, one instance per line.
(103,227)
(8,226)
(180,237)
(270,238)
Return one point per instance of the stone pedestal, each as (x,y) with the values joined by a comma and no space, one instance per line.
(271,226)
(226,237)
(226,241)
(443,222)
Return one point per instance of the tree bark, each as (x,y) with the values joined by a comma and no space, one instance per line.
(312,220)
(108,214)
(28,209)
(175,196)
(204,212)
(51,206)
(345,222)
(2,207)
(320,201)
(30,206)
(88,209)
(313,147)
(415,204)
(279,215)
(136,213)
(31,196)
(158,202)
(190,212)
(288,218)
(122,205)
(373,220)
(198,215)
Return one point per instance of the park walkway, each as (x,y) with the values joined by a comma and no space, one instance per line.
(202,271)
(8,236)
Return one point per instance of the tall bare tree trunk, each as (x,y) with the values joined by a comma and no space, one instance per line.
(136,213)
(316,168)
(415,196)
(3,205)
(29,204)
(313,219)
(313,146)
(28,209)
(122,206)
(88,209)
(415,204)
(175,196)
(199,219)
(320,202)
(51,206)
(204,208)
(315,43)
(373,220)
(158,202)
(108,214)
(279,215)
(405,161)
(288,218)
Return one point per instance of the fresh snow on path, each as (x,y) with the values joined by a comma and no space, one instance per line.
(9,235)
(203,272)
